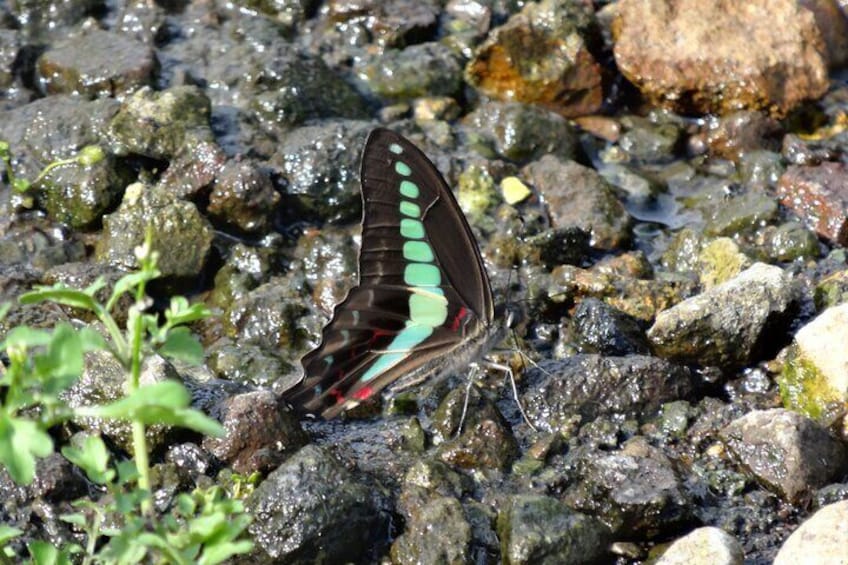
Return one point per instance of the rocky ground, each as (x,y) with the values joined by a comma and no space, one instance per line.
(680,262)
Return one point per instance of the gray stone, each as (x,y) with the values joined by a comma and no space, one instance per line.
(704,546)
(821,539)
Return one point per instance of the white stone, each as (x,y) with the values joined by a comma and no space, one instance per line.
(822,539)
(704,546)
(822,343)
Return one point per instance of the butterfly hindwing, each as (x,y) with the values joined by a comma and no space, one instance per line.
(422,292)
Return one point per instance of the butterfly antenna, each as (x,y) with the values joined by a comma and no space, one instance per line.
(518,400)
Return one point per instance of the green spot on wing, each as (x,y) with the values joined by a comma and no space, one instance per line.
(418,251)
(428,310)
(422,274)
(395,148)
(411,229)
(410,209)
(402,168)
(409,189)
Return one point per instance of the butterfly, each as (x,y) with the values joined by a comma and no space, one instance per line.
(423,305)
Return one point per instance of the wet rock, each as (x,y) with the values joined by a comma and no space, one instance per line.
(485,440)
(181,235)
(822,538)
(96,64)
(189,460)
(761,169)
(649,140)
(750,63)
(739,133)
(787,452)
(46,19)
(832,290)
(590,385)
(787,242)
(540,56)
(287,13)
(259,432)
(427,69)
(639,298)
(831,21)
(321,164)
(103,381)
(249,365)
(541,529)
(79,195)
(521,132)
(194,168)
(729,325)
(814,380)
(721,260)
(245,268)
(10,45)
(36,246)
(425,480)
(157,124)
(744,213)
(243,196)
(605,330)
(293,87)
(311,508)
(818,194)
(394,23)
(54,128)
(267,316)
(56,479)
(439,533)
(704,546)
(636,495)
(579,196)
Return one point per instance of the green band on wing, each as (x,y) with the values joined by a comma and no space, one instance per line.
(418,251)
(428,310)
(398,349)
(409,189)
(422,274)
(410,209)
(402,168)
(411,229)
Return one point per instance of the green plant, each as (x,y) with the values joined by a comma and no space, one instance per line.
(202,527)
(88,155)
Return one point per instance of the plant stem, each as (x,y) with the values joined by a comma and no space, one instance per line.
(139,439)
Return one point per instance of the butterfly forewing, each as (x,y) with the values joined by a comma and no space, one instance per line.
(422,292)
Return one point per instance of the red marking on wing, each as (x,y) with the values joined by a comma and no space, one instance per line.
(463,312)
(337,394)
(363,393)
(377,334)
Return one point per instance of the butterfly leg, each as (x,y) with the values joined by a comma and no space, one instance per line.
(507,370)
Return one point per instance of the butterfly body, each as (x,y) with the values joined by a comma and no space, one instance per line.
(423,306)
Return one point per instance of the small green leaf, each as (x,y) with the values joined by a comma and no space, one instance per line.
(64,355)
(26,337)
(181,345)
(43,553)
(127,283)
(8,533)
(180,312)
(4,310)
(91,340)
(90,155)
(20,185)
(61,295)
(220,552)
(161,403)
(77,519)
(21,441)
(93,458)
